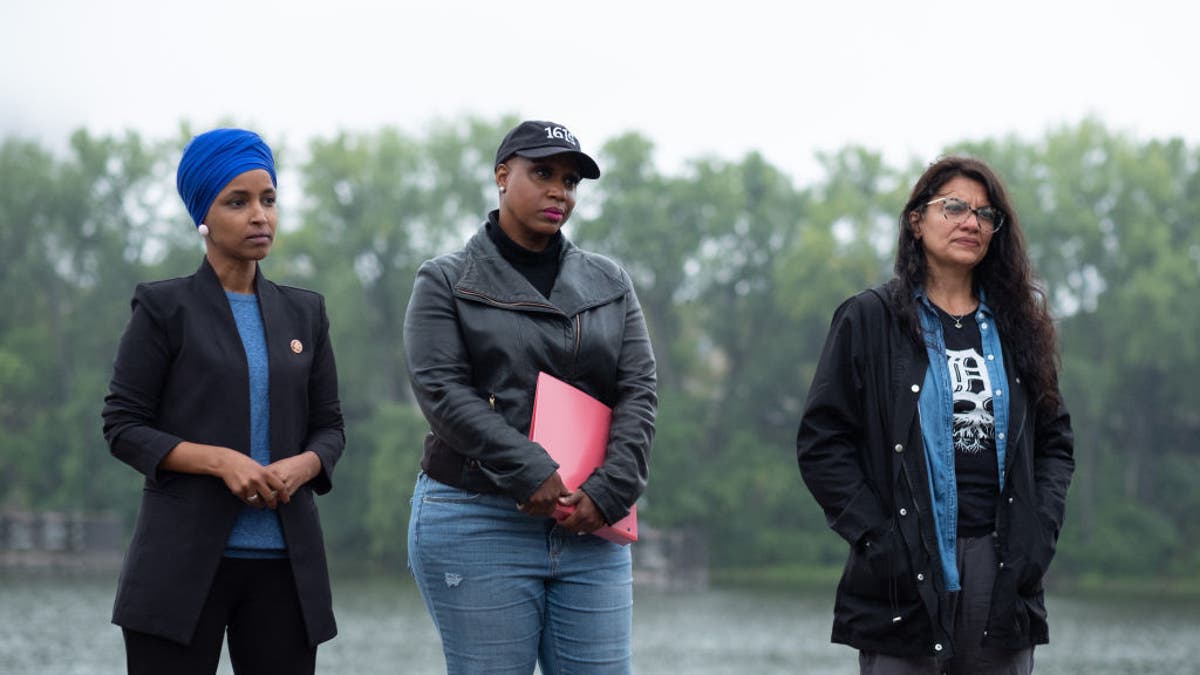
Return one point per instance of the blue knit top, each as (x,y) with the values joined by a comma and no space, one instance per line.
(257,533)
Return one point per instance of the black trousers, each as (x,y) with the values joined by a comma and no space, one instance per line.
(969,607)
(255,601)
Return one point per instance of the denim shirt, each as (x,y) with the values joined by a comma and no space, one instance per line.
(936,406)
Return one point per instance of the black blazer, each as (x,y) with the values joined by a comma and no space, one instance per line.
(181,375)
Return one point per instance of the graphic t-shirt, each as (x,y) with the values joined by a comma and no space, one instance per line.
(975,463)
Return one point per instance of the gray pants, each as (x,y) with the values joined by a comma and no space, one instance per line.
(969,607)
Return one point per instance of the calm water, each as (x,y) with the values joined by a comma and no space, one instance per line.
(59,626)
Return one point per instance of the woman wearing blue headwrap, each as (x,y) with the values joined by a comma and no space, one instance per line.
(224,395)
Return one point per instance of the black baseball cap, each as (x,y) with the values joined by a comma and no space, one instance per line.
(535,139)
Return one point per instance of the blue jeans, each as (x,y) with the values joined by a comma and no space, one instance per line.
(507,590)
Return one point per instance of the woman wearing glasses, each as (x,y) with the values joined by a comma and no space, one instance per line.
(936,441)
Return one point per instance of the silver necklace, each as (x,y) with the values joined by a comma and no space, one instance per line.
(958,319)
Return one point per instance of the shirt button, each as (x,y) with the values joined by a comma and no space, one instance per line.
(937,647)
(916,388)
(999,392)
(903,511)
(991,357)
(1010,500)
(920,576)
(899,448)
(983,326)
(1001,564)
(1000,435)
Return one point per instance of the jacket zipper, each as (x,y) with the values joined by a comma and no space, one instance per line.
(578,333)
(935,560)
(494,301)
(491,300)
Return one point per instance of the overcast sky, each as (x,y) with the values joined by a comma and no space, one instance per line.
(783,77)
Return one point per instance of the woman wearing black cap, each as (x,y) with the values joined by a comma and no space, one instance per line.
(507,584)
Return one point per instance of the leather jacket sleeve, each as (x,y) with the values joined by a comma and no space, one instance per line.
(616,485)
(439,366)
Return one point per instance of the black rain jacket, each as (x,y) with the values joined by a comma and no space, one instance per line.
(861,454)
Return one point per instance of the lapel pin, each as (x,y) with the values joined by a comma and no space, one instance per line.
(297,346)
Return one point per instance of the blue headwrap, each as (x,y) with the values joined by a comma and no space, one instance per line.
(214,158)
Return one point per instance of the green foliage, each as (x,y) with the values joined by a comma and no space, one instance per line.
(1132,540)
(73,234)
(738,271)
(394,434)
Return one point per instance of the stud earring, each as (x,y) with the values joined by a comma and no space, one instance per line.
(502,189)
(203,230)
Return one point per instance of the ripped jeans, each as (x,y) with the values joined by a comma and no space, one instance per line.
(507,590)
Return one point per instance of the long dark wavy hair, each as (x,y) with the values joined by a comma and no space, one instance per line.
(1004,275)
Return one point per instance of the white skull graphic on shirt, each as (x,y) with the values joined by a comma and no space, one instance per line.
(974,422)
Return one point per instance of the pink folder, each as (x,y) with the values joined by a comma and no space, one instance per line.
(573,428)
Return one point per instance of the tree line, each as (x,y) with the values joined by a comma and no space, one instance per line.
(738,269)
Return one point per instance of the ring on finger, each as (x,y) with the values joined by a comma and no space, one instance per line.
(252,498)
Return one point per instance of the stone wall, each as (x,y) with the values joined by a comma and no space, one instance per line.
(670,559)
(54,539)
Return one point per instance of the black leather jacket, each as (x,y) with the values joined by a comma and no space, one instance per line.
(475,336)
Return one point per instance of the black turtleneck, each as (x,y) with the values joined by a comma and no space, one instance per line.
(540,268)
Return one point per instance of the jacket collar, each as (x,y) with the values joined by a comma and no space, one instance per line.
(214,295)
(208,277)
(582,283)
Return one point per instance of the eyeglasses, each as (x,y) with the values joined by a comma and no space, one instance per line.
(957,211)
